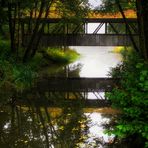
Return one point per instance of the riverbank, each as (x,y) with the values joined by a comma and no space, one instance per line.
(122,49)
(15,76)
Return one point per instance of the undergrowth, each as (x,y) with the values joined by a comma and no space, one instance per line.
(16,76)
(131,97)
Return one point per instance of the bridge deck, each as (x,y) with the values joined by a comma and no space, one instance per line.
(82,40)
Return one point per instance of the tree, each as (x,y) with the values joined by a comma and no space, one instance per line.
(130,94)
(33,43)
(3,16)
(110,5)
(142,18)
(69,11)
(8,11)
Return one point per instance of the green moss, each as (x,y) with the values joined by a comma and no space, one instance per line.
(59,56)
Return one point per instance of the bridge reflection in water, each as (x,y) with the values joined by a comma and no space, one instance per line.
(36,121)
(37,127)
(71,91)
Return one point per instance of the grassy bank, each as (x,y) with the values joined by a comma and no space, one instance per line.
(15,76)
(122,49)
(60,56)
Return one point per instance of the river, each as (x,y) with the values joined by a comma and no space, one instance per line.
(36,125)
(96,61)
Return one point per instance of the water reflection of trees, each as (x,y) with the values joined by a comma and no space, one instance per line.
(40,119)
(31,124)
(71,70)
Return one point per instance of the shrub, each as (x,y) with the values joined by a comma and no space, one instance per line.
(131,97)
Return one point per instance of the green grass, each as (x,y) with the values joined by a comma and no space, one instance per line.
(122,49)
(59,56)
(21,75)
(16,76)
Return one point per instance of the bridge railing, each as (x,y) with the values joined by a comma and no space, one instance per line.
(54,26)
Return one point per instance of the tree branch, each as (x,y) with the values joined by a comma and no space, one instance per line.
(128,28)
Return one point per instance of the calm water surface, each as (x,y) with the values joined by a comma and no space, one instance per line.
(96,61)
(34,124)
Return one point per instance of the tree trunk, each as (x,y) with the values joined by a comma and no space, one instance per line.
(142,15)
(35,31)
(127,26)
(41,30)
(11,27)
(36,8)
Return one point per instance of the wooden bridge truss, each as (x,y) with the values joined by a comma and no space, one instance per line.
(59,32)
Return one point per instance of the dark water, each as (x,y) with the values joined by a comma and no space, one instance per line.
(39,125)
(49,120)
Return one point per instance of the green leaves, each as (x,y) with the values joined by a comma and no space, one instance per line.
(111,5)
(23,76)
(131,97)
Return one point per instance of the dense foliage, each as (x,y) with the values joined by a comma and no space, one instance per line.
(130,94)
(131,97)
(14,76)
(111,6)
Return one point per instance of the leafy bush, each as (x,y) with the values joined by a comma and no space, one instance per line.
(23,76)
(19,75)
(131,97)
